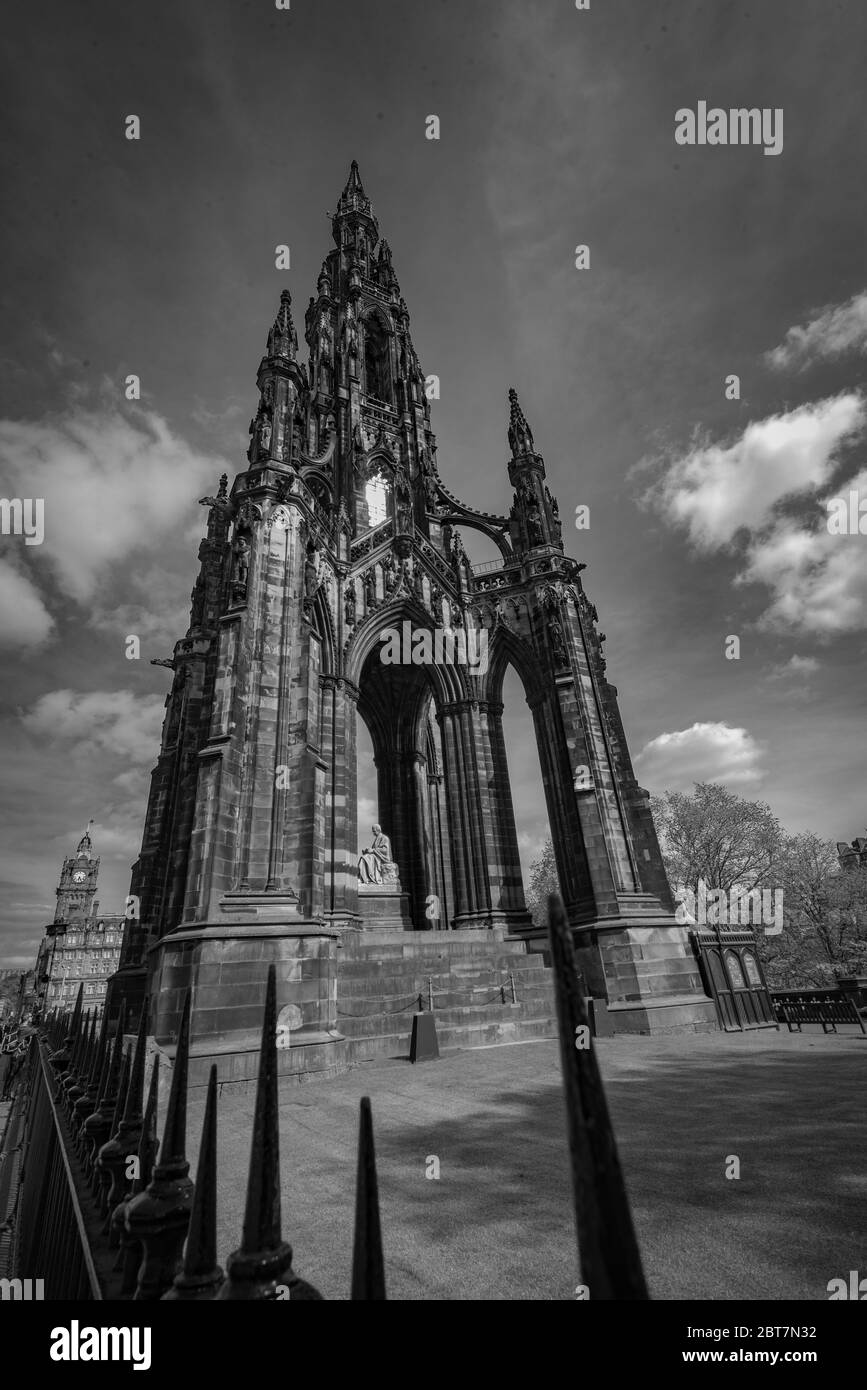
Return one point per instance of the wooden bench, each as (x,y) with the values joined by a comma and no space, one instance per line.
(829,1007)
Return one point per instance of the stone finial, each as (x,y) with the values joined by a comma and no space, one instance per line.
(608,1250)
(282,339)
(520,434)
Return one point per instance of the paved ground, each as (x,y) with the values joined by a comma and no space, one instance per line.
(498,1222)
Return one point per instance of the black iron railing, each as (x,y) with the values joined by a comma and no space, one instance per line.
(51,1240)
(93,1224)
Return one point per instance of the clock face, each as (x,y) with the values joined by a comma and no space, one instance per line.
(79,876)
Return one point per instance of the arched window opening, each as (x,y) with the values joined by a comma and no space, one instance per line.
(376,496)
(377,361)
(527,795)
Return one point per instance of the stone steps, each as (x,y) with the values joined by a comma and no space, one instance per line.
(374,982)
(380,979)
(454,1036)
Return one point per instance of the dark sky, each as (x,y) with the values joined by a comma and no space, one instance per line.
(156,257)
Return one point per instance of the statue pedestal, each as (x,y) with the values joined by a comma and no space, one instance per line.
(384,906)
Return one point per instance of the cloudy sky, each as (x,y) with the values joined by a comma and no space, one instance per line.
(156,257)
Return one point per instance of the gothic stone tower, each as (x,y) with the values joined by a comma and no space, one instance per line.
(339,528)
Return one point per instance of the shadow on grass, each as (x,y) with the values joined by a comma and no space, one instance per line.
(497,1223)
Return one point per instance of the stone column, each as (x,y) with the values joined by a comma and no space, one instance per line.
(339,715)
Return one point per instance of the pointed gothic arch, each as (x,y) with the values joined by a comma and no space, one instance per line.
(377,335)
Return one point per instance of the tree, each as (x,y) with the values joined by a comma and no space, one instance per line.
(824,917)
(543,880)
(717,836)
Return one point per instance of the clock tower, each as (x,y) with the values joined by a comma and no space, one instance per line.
(77,887)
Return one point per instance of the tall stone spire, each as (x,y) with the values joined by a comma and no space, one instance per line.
(353,198)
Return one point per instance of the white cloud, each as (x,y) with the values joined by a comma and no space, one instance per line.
(800,666)
(833,331)
(112,483)
(122,837)
(25,622)
(116,722)
(818,582)
(713,752)
(716,490)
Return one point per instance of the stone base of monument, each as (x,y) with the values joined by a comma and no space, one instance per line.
(384,906)
(226,967)
(642,966)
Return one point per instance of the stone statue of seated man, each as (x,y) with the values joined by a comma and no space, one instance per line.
(375,865)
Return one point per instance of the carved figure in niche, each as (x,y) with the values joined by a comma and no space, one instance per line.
(391,572)
(263,433)
(349,603)
(375,865)
(369,584)
(352,335)
(197,601)
(431,492)
(400,482)
(457,616)
(418,583)
(535,529)
(240,567)
(558,642)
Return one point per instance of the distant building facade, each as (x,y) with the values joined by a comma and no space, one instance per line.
(81,945)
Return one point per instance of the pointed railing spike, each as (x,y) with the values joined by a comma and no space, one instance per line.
(86,1104)
(148,1145)
(127,1133)
(262,1266)
(97,1128)
(608,1250)
(70,1077)
(75,1084)
(201,1275)
(159,1217)
(368,1269)
(110,1156)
